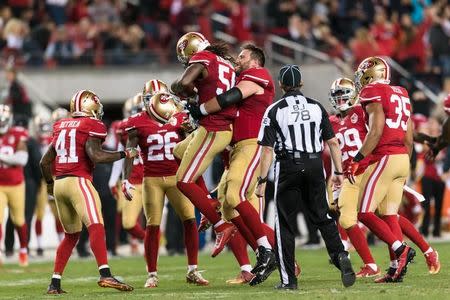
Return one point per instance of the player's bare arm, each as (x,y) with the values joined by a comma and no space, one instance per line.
(409,139)
(336,157)
(46,167)
(19,158)
(98,155)
(184,86)
(237,94)
(132,142)
(376,125)
(265,163)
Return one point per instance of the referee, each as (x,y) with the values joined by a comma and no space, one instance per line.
(295,127)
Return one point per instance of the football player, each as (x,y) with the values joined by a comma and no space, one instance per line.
(43,127)
(252,94)
(389,142)
(13,157)
(351,130)
(156,136)
(209,72)
(75,149)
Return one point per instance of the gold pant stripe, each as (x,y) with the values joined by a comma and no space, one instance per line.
(371,184)
(249,173)
(89,201)
(199,156)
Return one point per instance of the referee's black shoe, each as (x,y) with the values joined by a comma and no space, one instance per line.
(290,286)
(348,276)
(266,263)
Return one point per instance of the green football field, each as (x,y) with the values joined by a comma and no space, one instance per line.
(318,280)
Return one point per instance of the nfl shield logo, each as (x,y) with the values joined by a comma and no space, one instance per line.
(354,118)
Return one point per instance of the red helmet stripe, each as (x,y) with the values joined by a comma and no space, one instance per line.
(77,101)
(159,85)
(154,85)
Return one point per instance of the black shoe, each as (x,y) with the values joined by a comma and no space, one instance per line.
(83,253)
(266,263)
(40,252)
(311,245)
(9,253)
(348,276)
(53,290)
(290,286)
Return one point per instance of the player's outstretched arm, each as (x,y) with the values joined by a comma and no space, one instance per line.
(237,94)
(98,155)
(409,138)
(376,126)
(184,86)
(131,143)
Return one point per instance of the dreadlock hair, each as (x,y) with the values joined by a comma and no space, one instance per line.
(221,49)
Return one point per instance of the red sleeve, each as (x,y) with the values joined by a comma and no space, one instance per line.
(258,76)
(447,104)
(130,123)
(97,129)
(203,57)
(370,94)
(21,134)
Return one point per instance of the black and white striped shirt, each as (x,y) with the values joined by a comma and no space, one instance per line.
(295,123)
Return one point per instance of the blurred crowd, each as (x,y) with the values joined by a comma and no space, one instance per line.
(63,32)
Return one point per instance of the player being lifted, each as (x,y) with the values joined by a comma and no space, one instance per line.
(389,143)
(350,128)
(252,94)
(13,157)
(156,133)
(75,149)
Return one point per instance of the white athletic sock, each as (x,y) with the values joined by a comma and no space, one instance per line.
(23,250)
(428,251)
(263,241)
(396,245)
(373,266)
(246,268)
(39,241)
(56,276)
(219,223)
(192,267)
(152,274)
(60,236)
(393,264)
(346,245)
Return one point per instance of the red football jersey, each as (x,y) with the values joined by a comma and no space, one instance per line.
(397,111)
(137,173)
(11,175)
(156,142)
(221,78)
(69,139)
(251,110)
(351,132)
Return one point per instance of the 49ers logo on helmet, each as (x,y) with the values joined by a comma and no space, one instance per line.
(367,64)
(164,99)
(183,45)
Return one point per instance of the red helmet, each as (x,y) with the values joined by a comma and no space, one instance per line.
(447,104)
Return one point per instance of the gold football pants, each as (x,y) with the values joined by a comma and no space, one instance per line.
(13,197)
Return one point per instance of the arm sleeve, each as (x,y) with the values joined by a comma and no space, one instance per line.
(19,158)
(116,169)
(325,125)
(267,133)
(98,130)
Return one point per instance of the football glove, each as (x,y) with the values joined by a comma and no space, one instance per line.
(131,152)
(194,111)
(126,189)
(351,171)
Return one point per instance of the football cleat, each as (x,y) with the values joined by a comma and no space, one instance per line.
(266,263)
(432,259)
(223,235)
(23,259)
(366,271)
(53,290)
(204,222)
(297,269)
(195,277)
(112,282)
(405,258)
(348,276)
(40,252)
(243,278)
(388,277)
(283,286)
(152,281)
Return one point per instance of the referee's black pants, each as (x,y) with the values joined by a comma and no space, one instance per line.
(295,181)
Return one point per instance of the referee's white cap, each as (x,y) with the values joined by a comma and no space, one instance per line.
(290,75)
